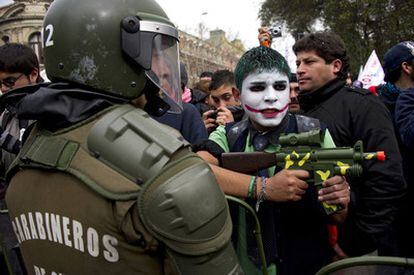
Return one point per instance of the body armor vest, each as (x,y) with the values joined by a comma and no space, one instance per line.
(100,196)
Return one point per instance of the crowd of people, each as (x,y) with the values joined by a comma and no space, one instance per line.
(93,171)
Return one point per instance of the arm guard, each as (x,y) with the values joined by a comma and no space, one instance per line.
(185,209)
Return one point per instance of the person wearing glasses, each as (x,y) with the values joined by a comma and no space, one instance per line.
(19,67)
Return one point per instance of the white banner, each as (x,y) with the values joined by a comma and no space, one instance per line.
(373,74)
(361,70)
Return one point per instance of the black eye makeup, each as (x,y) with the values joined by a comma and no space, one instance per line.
(261,86)
(257,88)
(280,86)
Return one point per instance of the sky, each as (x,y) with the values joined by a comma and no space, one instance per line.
(238,18)
(4,2)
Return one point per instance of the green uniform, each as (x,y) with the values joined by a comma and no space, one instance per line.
(75,211)
(100,188)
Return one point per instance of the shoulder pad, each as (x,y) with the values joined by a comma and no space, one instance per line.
(64,151)
(306,123)
(131,142)
(185,208)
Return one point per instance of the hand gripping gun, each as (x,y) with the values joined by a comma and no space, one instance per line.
(303,151)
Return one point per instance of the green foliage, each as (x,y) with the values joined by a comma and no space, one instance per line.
(364,25)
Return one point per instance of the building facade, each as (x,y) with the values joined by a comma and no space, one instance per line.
(21,22)
(208,55)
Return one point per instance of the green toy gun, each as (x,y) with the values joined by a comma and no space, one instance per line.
(303,151)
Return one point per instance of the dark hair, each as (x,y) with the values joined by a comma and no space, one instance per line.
(220,78)
(393,75)
(206,74)
(328,46)
(259,59)
(18,58)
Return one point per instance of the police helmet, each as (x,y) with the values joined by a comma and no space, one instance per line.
(112,47)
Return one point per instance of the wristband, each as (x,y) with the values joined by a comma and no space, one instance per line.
(252,183)
(262,196)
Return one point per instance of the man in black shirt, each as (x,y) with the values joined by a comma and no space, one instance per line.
(353,114)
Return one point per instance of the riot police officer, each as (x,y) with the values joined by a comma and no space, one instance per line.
(99,187)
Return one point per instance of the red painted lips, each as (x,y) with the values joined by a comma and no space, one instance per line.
(267,113)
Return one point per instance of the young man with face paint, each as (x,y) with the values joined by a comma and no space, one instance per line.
(293,222)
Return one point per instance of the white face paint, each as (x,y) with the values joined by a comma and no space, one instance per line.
(265,97)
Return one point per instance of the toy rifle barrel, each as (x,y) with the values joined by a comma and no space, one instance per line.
(250,163)
(380,156)
(347,153)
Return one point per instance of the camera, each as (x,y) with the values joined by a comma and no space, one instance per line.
(236,111)
(213,115)
(275,31)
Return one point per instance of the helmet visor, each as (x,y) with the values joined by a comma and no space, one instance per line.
(166,70)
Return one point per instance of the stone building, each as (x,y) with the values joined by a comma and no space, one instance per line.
(22,20)
(208,55)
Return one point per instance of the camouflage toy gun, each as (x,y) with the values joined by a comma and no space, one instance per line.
(303,151)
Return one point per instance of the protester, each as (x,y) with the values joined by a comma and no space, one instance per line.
(353,114)
(99,187)
(19,67)
(404,122)
(194,96)
(224,98)
(294,106)
(200,99)
(187,95)
(204,81)
(294,225)
(397,95)
(399,73)
(200,94)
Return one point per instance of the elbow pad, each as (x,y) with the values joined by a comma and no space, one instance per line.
(184,208)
